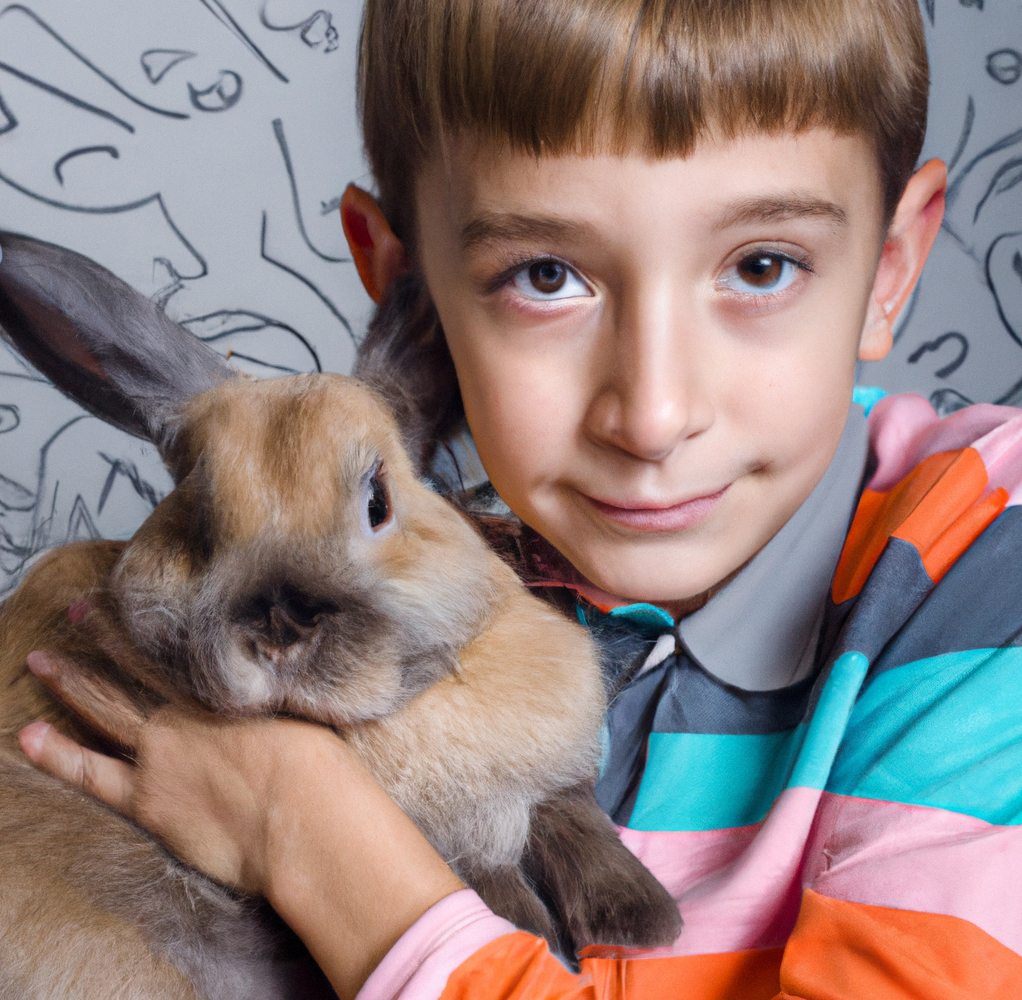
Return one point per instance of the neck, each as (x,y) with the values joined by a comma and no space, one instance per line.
(677,609)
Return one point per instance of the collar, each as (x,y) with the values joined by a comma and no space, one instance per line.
(759,632)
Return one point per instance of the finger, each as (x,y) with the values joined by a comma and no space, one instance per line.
(95,699)
(111,781)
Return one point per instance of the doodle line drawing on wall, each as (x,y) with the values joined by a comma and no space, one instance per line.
(961,339)
(179,145)
(199,148)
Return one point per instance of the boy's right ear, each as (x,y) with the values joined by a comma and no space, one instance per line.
(378,254)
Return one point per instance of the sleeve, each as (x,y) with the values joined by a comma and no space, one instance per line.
(419,965)
(458,950)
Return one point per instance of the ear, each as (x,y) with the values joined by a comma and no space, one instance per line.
(98,340)
(915,226)
(379,255)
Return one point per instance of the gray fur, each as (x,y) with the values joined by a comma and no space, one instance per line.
(97,339)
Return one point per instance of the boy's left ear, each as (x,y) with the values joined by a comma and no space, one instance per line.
(911,234)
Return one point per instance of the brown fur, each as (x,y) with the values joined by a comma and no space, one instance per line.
(299,567)
(474,704)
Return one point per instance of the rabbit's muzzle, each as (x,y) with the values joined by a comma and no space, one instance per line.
(267,629)
(282,616)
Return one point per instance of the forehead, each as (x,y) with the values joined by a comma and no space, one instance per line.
(481,192)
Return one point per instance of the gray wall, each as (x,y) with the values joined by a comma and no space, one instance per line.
(198,148)
(961,339)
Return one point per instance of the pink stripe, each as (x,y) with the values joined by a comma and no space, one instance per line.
(740,889)
(736,889)
(894,425)
(905,429)
(418,966)
(1001,451)
(919,858)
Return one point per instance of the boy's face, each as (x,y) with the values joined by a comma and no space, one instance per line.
(656,356)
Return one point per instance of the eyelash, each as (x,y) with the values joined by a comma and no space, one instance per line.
(517,266)
(803,265)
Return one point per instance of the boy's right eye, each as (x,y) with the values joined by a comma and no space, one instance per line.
(547,279)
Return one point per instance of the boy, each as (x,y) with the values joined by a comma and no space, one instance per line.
(657,236)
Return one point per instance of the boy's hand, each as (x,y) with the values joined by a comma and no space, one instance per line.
(270,806)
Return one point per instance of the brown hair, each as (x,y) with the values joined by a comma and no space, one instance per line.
(557,76)
(553,76)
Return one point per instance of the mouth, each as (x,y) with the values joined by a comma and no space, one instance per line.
(653,518)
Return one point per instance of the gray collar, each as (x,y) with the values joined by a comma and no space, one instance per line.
(760,631)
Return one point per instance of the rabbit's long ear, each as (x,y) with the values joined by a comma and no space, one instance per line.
(98,340)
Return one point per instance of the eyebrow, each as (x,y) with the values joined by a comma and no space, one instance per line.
(493,227)
(782,209)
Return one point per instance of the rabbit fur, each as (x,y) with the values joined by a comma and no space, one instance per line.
(301,567)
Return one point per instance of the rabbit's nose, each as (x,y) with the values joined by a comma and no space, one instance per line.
(286,615)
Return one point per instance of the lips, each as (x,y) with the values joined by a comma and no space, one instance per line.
(676,517)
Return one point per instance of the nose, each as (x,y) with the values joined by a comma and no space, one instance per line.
(283,615)
(652,389)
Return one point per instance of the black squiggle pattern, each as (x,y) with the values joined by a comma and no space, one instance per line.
(935,345)
(28,12)
(224,16)
(109,150)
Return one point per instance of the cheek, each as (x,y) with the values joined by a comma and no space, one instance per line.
(514,432)
(517,406)
(792,404)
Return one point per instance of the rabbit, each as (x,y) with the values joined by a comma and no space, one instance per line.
(300,566)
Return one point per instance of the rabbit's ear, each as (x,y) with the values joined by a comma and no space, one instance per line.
(98,340)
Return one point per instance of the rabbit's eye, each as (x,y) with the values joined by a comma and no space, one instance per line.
(377,508)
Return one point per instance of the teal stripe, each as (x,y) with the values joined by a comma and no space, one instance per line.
(943,732)
(648,616)
(867,396)
(705,781)
(708,781)
(829,722)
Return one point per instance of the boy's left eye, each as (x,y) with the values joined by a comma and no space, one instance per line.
(547,279)
(762,273)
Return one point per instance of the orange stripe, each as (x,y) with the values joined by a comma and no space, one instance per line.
(933,508)
(851,951)
(877,516)
(735,975)
(945,502)
(954,540)
(519,967)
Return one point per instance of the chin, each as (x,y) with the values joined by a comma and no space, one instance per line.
(641,578)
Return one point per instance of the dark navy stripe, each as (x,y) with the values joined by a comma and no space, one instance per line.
(978,604)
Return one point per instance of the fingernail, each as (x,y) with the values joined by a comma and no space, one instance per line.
(41,665)
(78,611)
(32,736)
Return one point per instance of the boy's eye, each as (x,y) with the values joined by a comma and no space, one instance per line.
(762,273)
(549,279)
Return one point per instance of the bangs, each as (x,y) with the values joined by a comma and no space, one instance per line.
(586,76)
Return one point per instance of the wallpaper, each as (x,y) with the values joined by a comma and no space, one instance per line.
(199,148)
